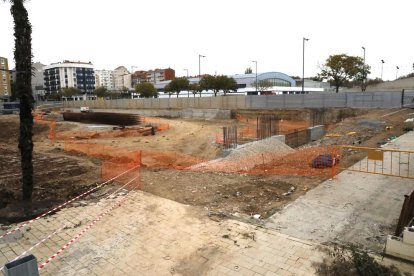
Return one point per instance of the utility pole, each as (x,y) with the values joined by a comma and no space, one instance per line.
(255,61)
(303,64)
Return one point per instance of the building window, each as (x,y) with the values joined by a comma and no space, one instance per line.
(2,61)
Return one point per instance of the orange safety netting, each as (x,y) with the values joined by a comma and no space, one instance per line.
(103,151)
(168,159)
(117,160)
(304,162)
(249,133)
(114,133)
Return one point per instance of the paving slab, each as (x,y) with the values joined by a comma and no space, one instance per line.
(355,207)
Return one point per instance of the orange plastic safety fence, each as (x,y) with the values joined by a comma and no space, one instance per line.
(114,169)
(168,159)
(126,132)
(104,151)
(117,161)
(305,162)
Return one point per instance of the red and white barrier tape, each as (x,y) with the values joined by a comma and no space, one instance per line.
(37,244)
(75,238)
(64,204)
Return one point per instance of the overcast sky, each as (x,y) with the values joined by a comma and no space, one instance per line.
(230,33)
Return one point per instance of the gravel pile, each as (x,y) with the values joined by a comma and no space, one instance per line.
(268,145)
(247,156)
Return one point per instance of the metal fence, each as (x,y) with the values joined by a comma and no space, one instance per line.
(388,162)
(267,126)
(407,214)
(230,137)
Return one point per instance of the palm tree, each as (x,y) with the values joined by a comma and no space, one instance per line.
(23,59)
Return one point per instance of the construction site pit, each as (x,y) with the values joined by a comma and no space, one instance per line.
(183,160)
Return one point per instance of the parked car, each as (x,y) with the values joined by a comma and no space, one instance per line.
(84,109)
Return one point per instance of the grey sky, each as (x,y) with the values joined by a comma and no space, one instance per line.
(231,33)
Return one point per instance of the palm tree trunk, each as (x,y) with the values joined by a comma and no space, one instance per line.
(23,59)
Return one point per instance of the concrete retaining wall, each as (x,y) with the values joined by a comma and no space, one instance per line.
(314,100)
(171,113)
(316,132)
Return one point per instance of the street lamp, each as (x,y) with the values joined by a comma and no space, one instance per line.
(382,67)
(199,67)
(255,61)
(132,68)
(363,80)
(188,90)
(396,74)
(303,64)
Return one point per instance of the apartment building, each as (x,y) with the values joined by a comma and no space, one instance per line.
(158,75)
(154,76)
(80,75)
(38,80)
(5,87)
(105,78)
(121,78)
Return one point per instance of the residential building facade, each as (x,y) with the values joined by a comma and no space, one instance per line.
(80,75)
(5,86)
(105,78)
(38,80)
(158,75)
(153,76)
(119,78)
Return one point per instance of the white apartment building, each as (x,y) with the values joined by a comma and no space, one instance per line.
(67,74)
(105,78)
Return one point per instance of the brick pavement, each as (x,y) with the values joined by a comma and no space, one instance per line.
(148,235)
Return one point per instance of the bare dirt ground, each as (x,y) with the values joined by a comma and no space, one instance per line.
(60,175)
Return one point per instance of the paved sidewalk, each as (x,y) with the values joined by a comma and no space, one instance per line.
(356,207)
(148,235)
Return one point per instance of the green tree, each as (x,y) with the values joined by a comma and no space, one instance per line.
(101,92)
(146,90)
(217,83)
(226,84)
(177,85)
(23,60)
(248,70)
(208,82)
(341,68)
(68,92)
(168,90)
(195,89)
(262,85)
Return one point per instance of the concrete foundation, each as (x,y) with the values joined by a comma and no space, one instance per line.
(281,138)
(401,247)
(316,132)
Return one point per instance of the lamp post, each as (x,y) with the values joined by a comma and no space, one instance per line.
(199,66)
(188,90)
(363,68)
(132,68)
(255,61)
(303,64)
(396,74)
(382,67)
